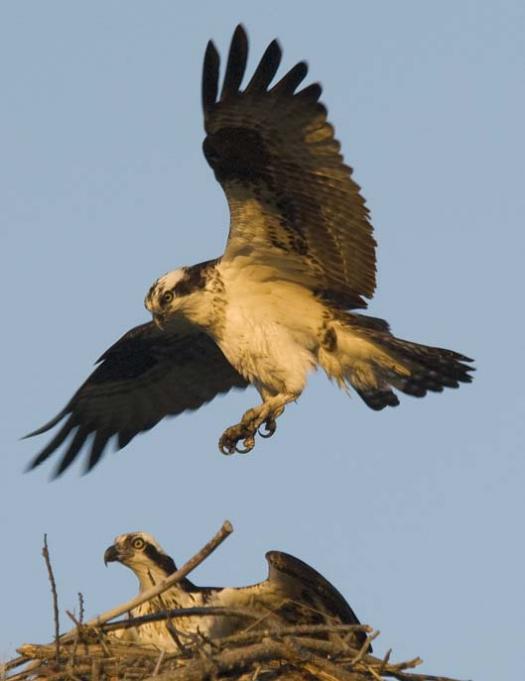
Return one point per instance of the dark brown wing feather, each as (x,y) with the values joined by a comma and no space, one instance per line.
(146,375)
(306,586)
(294,206)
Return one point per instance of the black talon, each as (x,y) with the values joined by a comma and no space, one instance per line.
(239,450)
(270,425)
(249,444)
(226,448)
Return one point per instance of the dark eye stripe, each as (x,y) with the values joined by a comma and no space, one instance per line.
(161,559)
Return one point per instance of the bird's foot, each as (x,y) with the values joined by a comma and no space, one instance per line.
(260,420)
(229,442)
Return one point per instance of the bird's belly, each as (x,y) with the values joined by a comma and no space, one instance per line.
(272,353)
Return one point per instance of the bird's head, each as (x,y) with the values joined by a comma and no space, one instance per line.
(141,553)
(178,295)
(163,297)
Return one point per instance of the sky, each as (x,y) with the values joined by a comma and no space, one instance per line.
(416,513)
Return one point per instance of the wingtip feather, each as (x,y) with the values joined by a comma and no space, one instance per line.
(72,452)
(97,450)
(47,426)
(52,446)
(311,93)
(266,69)
(210,76)
(236,65)
(291,80)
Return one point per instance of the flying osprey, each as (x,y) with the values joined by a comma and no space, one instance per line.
(294,593)
(299,256)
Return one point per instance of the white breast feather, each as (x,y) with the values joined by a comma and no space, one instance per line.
(270,331)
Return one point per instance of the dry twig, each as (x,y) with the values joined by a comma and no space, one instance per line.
(47,559)
(80,607)
(159,663)
(173,613)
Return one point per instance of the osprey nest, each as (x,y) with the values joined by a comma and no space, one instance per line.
(91,652)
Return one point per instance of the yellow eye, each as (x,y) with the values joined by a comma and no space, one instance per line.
(166,298)
(138,543)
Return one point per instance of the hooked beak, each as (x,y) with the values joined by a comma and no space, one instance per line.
(111,555)
(159,321)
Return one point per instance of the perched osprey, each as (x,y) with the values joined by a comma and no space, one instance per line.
(294,593)
(300,256)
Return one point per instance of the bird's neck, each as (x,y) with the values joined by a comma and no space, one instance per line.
(205,306)
(149,576)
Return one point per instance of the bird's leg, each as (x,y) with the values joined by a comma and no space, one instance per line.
(270,424)
(265,413)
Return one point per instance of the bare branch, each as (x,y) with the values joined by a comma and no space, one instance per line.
(297,630)
(200,611)
(80,607)
(45,553)
(365,647)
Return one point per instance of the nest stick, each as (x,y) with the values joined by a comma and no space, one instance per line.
(173,613)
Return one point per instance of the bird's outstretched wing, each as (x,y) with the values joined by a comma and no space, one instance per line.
(146,375)
(317,599)
(294,206)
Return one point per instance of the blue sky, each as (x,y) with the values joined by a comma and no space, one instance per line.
(414,513)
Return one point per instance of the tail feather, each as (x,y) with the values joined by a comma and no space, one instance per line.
(374,362)
(429,369)
(378,399)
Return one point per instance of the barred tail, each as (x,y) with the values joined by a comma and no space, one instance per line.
(373,361)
